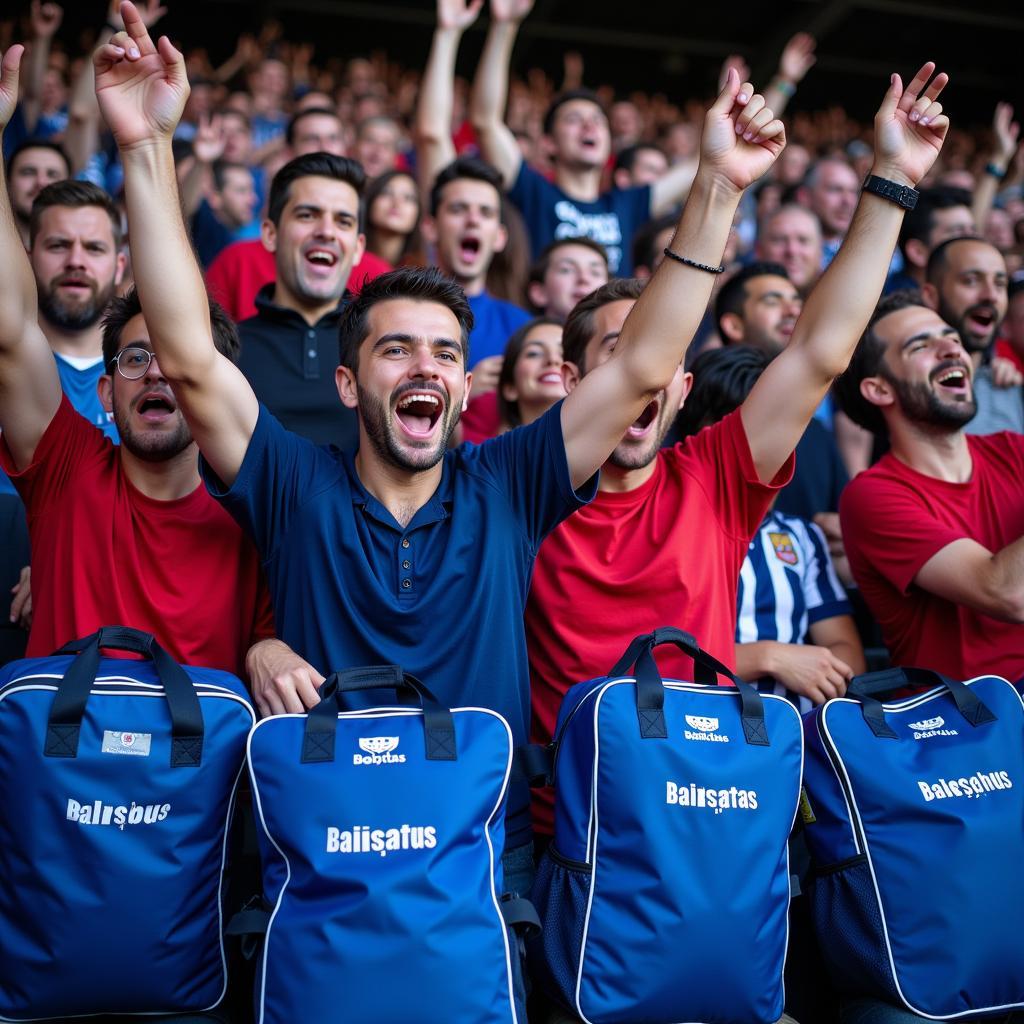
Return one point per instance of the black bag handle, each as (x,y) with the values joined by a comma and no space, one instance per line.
(321,722)
(866,688)
(65,722)
(650,693)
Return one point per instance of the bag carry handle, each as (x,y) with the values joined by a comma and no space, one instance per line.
(65,722)
(322,721)
(650,693)
(867,687)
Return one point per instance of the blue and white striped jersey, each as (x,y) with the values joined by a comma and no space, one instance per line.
(787,582)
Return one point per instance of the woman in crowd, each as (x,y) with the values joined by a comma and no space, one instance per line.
(531,373)
(393,219)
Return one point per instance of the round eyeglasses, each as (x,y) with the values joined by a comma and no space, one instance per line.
(132,362)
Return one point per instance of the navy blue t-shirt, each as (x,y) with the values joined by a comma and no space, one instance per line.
(612,219)
(442,597)
(494,320)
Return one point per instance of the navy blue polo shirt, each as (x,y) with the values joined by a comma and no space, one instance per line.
(443,597)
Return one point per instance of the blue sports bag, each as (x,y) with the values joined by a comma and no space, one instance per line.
(915,823)
(381,832)
(118,781)
(664,895)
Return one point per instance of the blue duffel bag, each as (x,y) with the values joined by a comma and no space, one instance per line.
(915,823)
(381,832)
(664,895)
(118,779)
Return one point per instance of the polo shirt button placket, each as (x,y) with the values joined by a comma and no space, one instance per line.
(406,566)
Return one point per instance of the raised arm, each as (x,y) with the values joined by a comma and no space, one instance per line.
(29,385)
(796,60)
(659,328)
(141,89)
(44,20)
(490,89)
(432,128)
(1005,132)
(909,130)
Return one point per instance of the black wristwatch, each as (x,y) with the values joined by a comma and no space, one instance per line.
(901,195)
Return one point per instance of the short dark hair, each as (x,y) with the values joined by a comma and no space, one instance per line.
(919,222)
(219,169)
(939,256)
(36,143)
(75,194)
(421,284)
(539,269)
(722,379)
(868,361)
(567,97)
(312,165)
(580,325)
(471,167)
(734,292)
(289,135)
(644,252)
(627,157)
(123,308)
(508,411)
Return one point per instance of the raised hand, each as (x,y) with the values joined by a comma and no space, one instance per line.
(151,11)
(10,67)
(733,62)
(797,57)
(209,140)
(458,14)
(45,19)
(141,87)
(741,137)
(910,127)
(1005,132)
(510,10)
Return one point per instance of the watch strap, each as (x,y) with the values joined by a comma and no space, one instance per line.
(901,195)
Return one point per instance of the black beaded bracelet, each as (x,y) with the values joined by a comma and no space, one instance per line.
(693,263)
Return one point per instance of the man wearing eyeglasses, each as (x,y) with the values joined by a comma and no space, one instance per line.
(121,535)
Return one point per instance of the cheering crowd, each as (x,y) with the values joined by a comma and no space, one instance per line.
(565,346)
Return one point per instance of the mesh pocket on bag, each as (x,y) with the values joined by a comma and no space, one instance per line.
(560,895)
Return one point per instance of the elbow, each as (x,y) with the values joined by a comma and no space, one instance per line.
(1012,609)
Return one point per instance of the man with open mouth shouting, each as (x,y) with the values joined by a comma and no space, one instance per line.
(967,285)
(407,553)
(933,530)
(120,534)
(664,541)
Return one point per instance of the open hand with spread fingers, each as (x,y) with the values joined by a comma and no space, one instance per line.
(910,127)
(741,137)
(458,14)
(141,87)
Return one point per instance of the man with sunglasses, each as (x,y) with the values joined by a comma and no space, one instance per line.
(121,535)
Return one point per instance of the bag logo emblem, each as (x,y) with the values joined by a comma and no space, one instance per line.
(704,728)
(702,723)
(929,727)
(378,750)
(785,549)
(378,744)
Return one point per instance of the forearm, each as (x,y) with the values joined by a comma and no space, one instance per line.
(778,94)
(757,659)
(18,297)
(32,87)
(659,329)
(167,276)
(434,107)
(985,195)
(839,306)
(488,99)
(193,186)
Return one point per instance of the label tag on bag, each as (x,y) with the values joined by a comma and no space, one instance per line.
(132,744)
(806,813)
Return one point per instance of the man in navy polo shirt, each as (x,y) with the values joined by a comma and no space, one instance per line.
(406,552)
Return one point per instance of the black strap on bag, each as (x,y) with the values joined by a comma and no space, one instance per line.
(650,693)
(866,688)
(321,722)
(65,722)
(520,915)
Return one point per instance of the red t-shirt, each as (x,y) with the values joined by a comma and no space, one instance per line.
(1005,350)
(665,554)
(105,554)
(243,268)
(895,519)
(481,421)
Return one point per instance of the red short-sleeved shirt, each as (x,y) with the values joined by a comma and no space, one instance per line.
(666,554)
(895,519)
(103,554)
